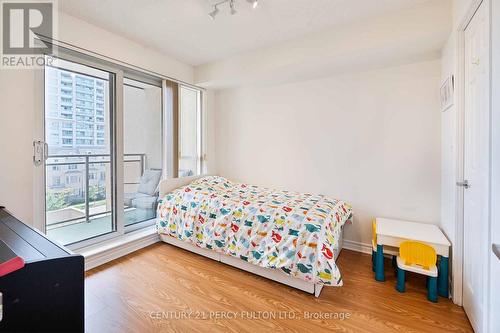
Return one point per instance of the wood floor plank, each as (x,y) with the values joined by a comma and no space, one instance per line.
(165,289)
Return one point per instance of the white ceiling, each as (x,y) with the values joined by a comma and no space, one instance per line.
(183,30)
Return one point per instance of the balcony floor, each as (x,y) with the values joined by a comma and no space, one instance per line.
(97,226)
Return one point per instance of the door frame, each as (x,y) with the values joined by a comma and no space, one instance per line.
(458,246)
(494,304)
(39,134)
(116,128)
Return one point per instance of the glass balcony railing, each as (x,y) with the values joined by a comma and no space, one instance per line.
(79,186)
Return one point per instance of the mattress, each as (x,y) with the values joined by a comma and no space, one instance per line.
(296,233)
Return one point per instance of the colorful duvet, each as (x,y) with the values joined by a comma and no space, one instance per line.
(293,232)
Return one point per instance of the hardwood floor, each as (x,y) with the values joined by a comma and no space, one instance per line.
(162,288)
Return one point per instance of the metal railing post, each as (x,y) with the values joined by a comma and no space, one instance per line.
(143,164)
(87,196)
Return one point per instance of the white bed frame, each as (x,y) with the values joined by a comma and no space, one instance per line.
(169,185)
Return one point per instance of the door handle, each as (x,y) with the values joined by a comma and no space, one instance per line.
(45,151)
(464,184)
(496,250)
(38,153)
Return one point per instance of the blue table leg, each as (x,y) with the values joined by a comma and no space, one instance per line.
(443,277)
(373,260)
(400,286)
(379,264)
(432,294)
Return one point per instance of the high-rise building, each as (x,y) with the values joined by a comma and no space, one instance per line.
(75,111)
(76,117)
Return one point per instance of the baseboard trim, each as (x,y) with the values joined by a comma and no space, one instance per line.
(119,248)
(357,246)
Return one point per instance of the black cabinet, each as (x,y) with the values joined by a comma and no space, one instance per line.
(47,294)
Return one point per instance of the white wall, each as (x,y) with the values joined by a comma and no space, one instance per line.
(372,139)
(448,147)
(460,8)
(19,106)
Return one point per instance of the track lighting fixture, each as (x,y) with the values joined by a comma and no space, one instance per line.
(232,7)
(254,3)
(213,12)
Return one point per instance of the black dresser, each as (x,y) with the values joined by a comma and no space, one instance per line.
(47,294)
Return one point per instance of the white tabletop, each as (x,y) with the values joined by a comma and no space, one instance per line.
(392,232)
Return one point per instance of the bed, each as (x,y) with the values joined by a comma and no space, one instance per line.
(293,238)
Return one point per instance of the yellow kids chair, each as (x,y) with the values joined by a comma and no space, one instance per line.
(419,258)
(387,249)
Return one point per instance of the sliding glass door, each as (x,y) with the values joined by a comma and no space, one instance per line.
(142,146)
(107,136)
(79,164)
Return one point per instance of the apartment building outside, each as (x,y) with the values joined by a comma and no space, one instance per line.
(76,125)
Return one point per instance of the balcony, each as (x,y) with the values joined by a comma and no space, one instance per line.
(83,87)
(80,206)
(84,97)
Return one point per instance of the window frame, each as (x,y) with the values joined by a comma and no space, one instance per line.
(199,128)
(170,129)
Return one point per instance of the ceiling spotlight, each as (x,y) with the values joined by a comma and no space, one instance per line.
(254,3)
(213,13)
(232,6)
(233,9)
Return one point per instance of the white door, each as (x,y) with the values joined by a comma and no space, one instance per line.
(476,168)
